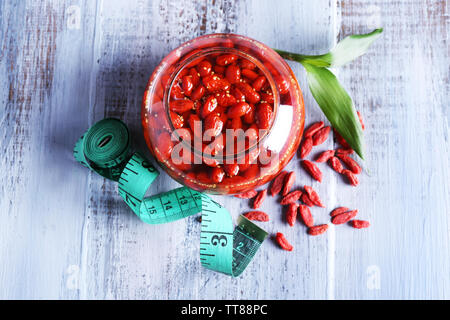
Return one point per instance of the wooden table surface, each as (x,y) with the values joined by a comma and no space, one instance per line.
(66,234)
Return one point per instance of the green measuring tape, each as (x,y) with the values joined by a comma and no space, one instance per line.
(105,149)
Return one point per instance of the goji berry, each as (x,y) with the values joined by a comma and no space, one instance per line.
(213,125)
(226,59)
(198,92)
(339,210)
(291,214)
(177,120)
(209,106)
(291,197)
(341,140)
(313,196)
(344,217)
(350,163)
(312,129)
(249,74)
(335,164)
(259,199)
(277,183)
(257,216)
(360,120)
(181,106)
(233,74)
(288,182)
(258,83)
(224,99)
(204,68)
(312,169)
(316,230)
(359,224)
(263,115)
(267,97)
(352,179)
(306,215)
(250,94)
(217,175)
(324,156)
(320,136)
(247,195)
(238,110)
(214,83)
(344,151)
(187,85)
(306,147)
(284,244)
(304,198)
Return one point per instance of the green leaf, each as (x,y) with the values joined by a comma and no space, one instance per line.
(345,51)
(337,105)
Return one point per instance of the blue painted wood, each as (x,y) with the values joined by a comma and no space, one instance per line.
(66,234)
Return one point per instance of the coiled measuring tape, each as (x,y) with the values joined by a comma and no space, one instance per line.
(105,149)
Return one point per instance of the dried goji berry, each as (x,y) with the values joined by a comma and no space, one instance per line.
(259,199)
(312,169)
(313,196)
(316,230)
(306,215)
(320,136)
(312,129)
(291,214)
(360,120)
(350,163)
(288,182)
(247,195)
(352,179)
(277,183)
(359,224)
(249,117)
(257,216)
(291,197)
(324,156)
(335,164)
(304,198)
(306,147)
(344,151)
(284,244)
(339,210)
(341,140)
(344,217)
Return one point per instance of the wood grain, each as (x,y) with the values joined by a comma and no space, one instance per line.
(66,234)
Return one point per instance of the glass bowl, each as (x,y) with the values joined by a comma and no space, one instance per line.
(223,114)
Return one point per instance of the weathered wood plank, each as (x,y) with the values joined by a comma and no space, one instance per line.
(402,89)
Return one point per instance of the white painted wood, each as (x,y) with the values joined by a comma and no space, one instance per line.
(66,234)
